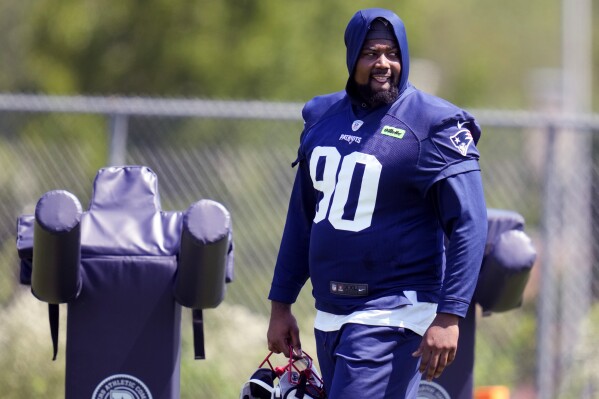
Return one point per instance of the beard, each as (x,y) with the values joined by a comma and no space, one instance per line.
(377,98)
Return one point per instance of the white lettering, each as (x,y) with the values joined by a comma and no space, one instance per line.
(350,139)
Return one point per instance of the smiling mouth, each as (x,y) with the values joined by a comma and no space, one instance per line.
(381,78)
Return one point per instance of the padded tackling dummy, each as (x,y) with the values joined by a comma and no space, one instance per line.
(507,262)
(125,268)
(509,257)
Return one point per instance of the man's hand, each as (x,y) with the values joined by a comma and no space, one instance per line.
(439,345)
(283,331)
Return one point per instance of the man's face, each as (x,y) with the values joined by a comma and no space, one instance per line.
(378,70)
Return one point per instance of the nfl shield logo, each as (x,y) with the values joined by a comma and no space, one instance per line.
(356,125)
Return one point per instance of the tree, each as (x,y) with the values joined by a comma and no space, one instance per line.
(268,49)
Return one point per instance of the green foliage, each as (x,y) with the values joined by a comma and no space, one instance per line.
(27,367)
(8,278)
(586,359)
(484,50)
(67,147)
(513,364)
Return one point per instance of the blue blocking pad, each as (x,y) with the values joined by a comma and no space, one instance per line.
(125,268)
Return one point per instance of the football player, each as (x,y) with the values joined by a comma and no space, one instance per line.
(387,218)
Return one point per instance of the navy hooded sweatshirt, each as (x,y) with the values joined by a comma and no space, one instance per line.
(377,194)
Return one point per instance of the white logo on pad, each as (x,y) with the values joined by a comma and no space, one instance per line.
(121,386)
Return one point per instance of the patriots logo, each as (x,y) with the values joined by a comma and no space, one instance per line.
(462,139)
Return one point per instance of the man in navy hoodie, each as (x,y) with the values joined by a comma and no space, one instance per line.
(387,218)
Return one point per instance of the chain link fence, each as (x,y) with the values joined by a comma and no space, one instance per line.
(239,153)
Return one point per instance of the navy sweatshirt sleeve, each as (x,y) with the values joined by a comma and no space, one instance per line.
(291,270)
(463,215)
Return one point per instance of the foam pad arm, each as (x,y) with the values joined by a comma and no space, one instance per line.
(56,275)
(205,244)
(505,272)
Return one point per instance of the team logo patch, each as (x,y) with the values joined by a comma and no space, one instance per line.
(348,289)
(393,132)
(462,139)
(356,125)
(121,386)
(431,390)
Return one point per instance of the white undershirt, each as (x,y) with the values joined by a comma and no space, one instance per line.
(416,317)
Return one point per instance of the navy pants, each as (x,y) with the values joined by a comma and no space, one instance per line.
(372,362)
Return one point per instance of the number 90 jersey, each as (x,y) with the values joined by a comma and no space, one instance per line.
(361,224)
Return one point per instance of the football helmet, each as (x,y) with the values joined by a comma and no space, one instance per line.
(298,379)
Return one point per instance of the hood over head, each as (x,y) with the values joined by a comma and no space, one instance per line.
(355,35)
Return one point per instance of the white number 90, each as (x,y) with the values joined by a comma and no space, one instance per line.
(336,187)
